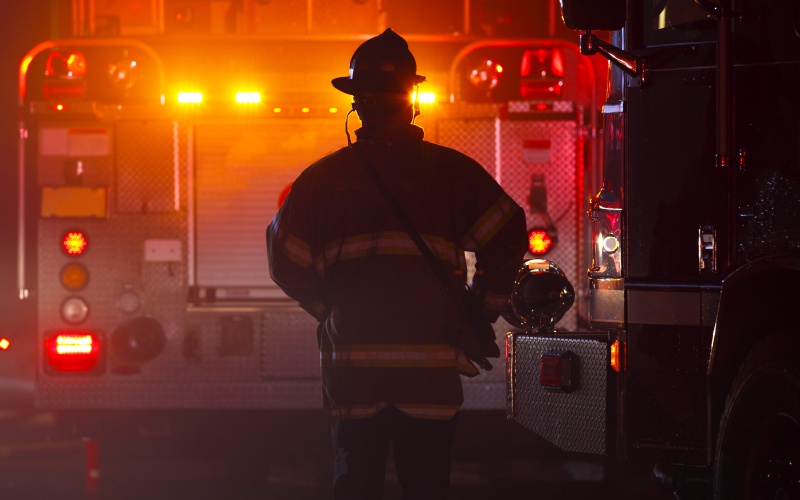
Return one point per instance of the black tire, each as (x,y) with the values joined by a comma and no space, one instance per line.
(758,445)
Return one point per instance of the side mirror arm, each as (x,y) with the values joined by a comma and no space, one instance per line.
(630,64)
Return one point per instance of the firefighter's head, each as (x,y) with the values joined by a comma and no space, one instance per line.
(383,74)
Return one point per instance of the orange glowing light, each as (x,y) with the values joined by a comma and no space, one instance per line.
(305,110)
(248,97)
(5,344)
(190,97)
(74,243)
(276,110)
(616,355)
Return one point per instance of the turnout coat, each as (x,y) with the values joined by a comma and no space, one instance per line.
(336,247)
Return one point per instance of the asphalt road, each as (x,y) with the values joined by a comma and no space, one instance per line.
(277,455)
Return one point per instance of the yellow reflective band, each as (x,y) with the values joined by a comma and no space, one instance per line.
(426,411)
(433,412)
(297,250)
(490,223)
(389,356)
(386,243)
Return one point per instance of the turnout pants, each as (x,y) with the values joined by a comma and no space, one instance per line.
(421,454)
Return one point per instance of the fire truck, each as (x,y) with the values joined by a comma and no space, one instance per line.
(160,138)
(690,365)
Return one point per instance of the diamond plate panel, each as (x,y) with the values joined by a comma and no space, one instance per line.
(289,345)
(574,421)
(280,16)
(148,168)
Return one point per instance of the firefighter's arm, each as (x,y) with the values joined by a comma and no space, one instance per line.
(291,262)
(501,240)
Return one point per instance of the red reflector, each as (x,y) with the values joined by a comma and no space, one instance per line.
(558,370)
(74,243)
(72,351)
(539,241)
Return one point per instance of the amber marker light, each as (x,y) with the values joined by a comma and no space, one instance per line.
(74,276)
(617,356)
(74,243)
(4,344)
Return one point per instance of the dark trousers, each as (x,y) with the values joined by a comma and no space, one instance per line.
(421,455)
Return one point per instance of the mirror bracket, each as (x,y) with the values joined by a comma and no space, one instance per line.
(590,44)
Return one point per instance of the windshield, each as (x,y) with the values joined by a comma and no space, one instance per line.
(675,21)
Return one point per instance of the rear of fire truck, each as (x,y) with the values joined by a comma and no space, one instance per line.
(160,139)
(690,365)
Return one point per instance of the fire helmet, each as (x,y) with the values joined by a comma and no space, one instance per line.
(381,64)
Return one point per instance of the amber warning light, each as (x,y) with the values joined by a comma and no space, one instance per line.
(4,344)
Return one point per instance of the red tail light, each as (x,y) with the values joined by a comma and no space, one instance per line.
(72,352)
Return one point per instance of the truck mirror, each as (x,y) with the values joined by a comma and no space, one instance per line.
(590,15)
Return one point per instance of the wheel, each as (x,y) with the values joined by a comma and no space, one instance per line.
(758,445)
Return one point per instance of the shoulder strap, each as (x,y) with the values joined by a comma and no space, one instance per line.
(401,216)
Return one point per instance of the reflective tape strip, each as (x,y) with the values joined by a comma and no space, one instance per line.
(426,411)
(435,412)
(390,356)
(297,250)
(489,223)
(386,243)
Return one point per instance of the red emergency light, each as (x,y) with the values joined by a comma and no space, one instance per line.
(64,71)
(542,72)
(74,243)
(72,352)
(540,241)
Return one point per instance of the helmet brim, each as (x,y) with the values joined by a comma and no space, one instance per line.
(349,86)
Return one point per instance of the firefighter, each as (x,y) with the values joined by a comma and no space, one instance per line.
(389,375)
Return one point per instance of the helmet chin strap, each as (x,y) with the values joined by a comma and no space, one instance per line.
(346,118)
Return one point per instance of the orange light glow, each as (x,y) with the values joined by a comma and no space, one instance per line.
(276,110)
(539,242)
(190,97)
(248,97)
(305,110)
(617,355)
(4,344)
(74,243)
(424,97)
(59,107)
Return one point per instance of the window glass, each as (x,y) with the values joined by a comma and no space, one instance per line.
(676,21)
